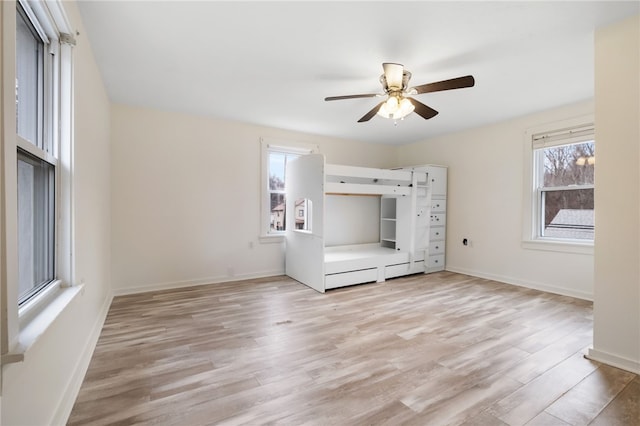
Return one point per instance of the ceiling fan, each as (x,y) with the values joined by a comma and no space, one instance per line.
(395,83)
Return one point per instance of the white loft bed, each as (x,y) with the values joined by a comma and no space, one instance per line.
(321,267)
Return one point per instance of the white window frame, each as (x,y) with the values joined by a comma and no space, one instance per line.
(46,146)
(574,130)
(267,146)
(23,325)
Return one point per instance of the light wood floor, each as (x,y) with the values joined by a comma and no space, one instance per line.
(430,349)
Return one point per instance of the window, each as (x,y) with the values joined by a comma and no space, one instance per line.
(30,79)
(562,191)
(277,196)
(565,191)
(37,147)
(275,156)
(36,156)
(36,213)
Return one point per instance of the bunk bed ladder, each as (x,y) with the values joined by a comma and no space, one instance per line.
(413,209)
(427,243)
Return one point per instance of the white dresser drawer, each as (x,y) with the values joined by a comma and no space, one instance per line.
(436,247)
(349,278)
(435,262)
(436,233)
(392,271)
(438,219)
(438,206)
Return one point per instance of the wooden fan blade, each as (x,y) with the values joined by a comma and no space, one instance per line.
(454,83)
(371,113)
(422,110)
(337,98)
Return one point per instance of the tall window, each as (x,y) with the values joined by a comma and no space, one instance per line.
(277,194)
(36,156)
(564,170)
(275,157)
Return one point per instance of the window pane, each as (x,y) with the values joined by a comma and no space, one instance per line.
(303,214)
(29,79)
(569,165)
(36,193)
(568,214)
(277,162)
(277,212)
(277,169)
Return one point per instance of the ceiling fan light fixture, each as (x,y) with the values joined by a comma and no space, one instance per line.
(396,108)
(399,104)
(406,107)
(583,160)
(392,104)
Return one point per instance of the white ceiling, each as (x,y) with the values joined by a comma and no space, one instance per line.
(273,63)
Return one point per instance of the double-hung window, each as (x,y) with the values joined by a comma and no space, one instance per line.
(37,145)
(37,155)
(275,156)
(277,195)
(562,194)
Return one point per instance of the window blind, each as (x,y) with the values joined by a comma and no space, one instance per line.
(563,137)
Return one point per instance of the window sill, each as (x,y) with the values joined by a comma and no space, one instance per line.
(271,239)
(36,319)
(559,246)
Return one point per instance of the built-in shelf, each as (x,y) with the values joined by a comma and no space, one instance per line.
(388,207)
(388,222)
(388,244)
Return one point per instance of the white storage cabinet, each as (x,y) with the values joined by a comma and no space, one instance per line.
(433,245)
(437,176)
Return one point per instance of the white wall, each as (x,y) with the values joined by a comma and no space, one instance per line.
(617,196)
(186,197)
(42,389)
(485,205)
(351,220)
(2,218)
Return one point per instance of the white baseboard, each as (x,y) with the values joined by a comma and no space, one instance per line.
(523,283)
(614,360)
(72,389)
(191,283)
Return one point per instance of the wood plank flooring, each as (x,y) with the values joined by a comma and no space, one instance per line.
(437,349)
